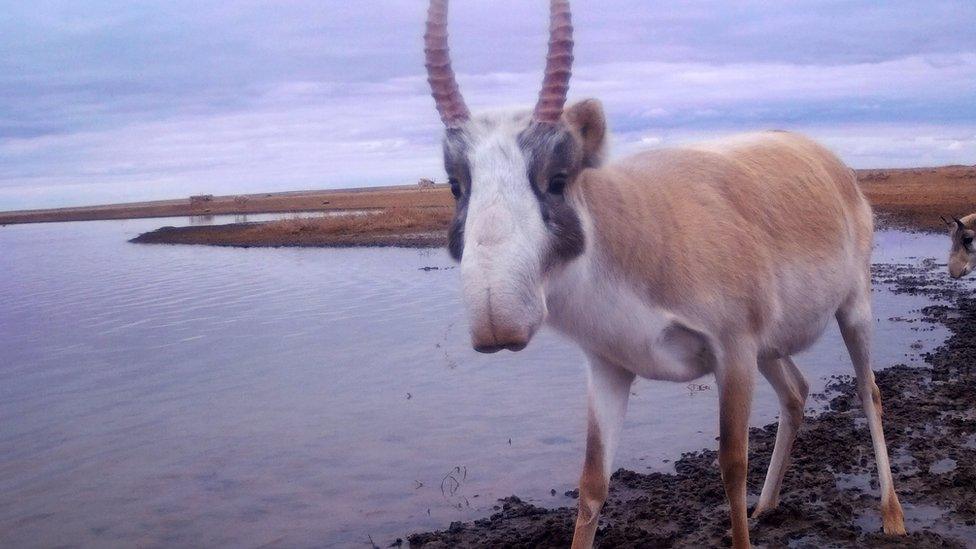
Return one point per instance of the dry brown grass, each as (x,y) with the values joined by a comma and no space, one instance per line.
(304,201)
(400,226)
(408,216)
(397,220)
(915,198)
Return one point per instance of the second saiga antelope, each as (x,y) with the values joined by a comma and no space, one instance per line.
(723,258)
(962,255)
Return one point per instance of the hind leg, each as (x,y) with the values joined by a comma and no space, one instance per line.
(856,325)
(791,389)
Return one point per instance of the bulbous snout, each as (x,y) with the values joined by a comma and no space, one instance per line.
(960,262)
(502,264)
(502,287)
(503,318)
(959,270)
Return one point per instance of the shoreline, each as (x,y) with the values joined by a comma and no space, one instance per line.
(247,235)
(423,227)
(912,199)
(829,496)
(339,200)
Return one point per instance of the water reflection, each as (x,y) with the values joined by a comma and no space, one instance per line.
(216,219)
(201,219)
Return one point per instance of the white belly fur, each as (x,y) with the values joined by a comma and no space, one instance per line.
(608,320)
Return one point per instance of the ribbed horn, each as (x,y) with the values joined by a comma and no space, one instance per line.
(559,63)
(959,223)
(440,75)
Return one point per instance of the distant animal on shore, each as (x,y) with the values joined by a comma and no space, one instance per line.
(962,255)
(722,258)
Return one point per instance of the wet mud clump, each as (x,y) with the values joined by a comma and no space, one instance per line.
(830,494)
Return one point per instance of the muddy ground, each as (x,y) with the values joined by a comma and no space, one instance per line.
(830,493)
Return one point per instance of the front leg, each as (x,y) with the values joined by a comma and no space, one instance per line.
(608,391)
(735,377)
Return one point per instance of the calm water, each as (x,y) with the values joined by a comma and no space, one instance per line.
(190,396)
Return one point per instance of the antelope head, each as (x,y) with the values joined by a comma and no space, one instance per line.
(513,178)
(962,255)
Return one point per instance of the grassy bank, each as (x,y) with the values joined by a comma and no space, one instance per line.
(283,202)
(915,198)
(400,226)
(411,217)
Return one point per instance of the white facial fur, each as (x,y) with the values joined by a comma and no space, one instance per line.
(505,237)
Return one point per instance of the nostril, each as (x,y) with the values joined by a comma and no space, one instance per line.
(516,347)
(513,346)
(488,349)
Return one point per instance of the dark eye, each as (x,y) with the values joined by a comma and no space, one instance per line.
(455,187)
(557,183)
(967,241)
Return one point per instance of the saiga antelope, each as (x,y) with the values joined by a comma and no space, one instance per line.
(723,258)
(962,255)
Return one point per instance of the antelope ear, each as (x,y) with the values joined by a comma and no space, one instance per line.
(586,118)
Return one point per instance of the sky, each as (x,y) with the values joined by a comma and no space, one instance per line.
(112,101)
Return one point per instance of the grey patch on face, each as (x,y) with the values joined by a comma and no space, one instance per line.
(459,174)
(455,235)
(553,154)
(964,236)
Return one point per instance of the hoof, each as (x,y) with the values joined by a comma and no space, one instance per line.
(892,518)
(763,508)
(895,528)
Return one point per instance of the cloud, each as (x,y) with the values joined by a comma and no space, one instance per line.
(116,100)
